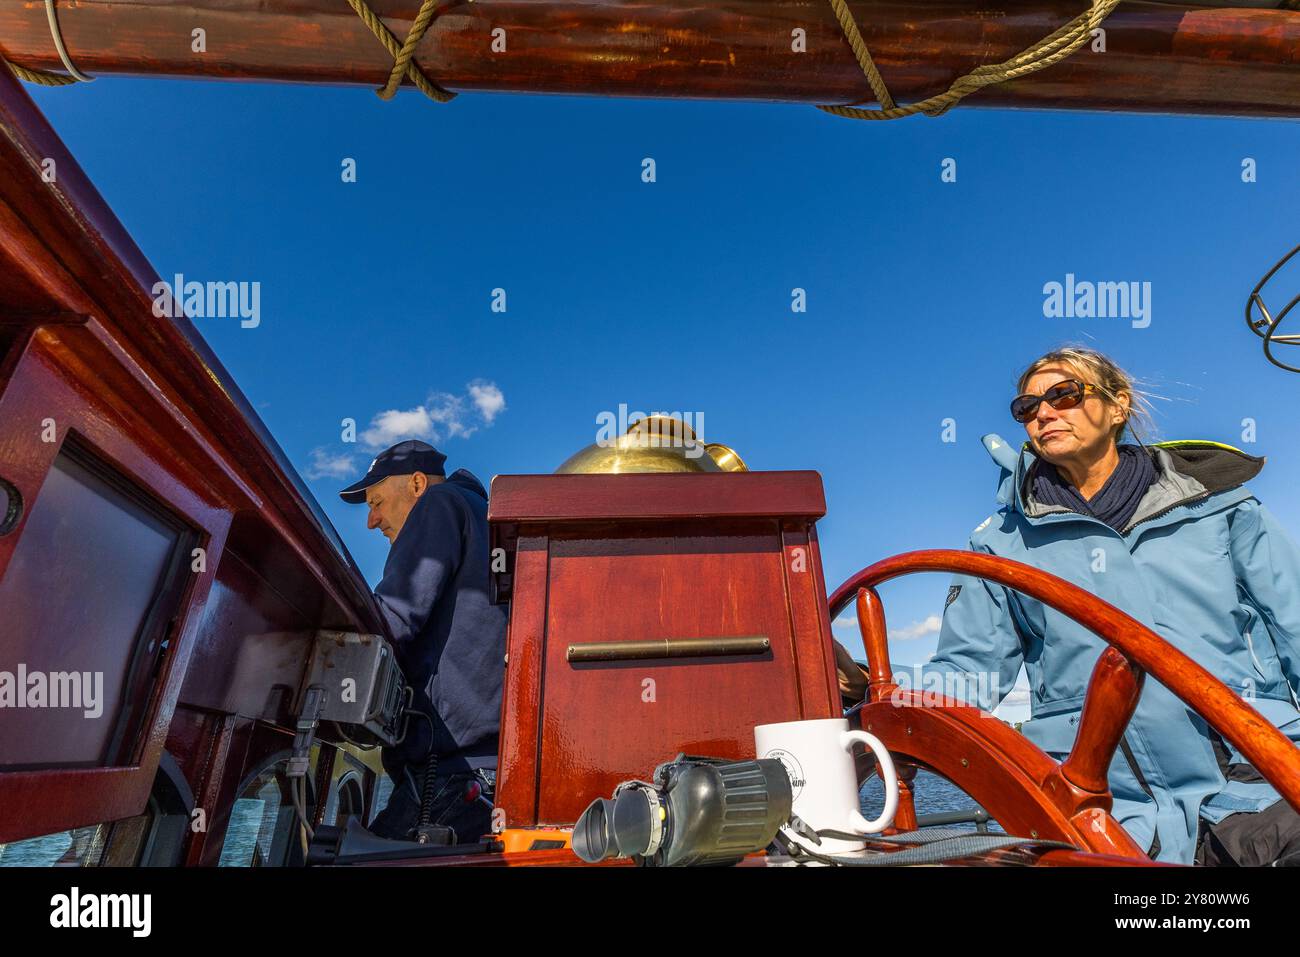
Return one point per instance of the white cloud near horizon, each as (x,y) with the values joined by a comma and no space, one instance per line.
(918,629)
(326,464)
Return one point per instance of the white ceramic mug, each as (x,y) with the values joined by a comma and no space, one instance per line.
(818,756)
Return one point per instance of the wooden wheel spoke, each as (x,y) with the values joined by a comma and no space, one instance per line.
(1108,706)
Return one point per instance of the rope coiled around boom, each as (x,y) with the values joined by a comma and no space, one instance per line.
(1048,51)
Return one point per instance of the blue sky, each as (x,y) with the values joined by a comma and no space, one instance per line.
(924,298)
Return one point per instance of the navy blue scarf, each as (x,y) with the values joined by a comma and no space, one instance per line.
(1116,502)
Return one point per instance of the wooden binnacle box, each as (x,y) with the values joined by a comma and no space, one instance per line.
(651,614)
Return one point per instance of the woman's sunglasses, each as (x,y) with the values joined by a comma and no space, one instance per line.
(1063,395)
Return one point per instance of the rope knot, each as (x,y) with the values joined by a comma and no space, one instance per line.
(403,54)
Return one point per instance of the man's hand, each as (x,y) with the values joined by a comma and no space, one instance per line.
(853,680)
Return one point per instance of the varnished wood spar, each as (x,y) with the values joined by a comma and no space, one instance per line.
(1160,57)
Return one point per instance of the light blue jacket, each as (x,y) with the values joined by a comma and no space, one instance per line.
(1204,565)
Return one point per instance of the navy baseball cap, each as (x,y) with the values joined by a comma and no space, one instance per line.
(402,459)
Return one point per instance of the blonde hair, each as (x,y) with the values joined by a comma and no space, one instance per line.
(1109,379)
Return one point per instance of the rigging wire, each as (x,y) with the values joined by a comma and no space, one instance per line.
(1266,327)
(43,77)
(55,32)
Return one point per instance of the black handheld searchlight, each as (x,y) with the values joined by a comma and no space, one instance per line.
(698,811)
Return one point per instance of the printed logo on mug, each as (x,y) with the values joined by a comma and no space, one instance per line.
(818,756)
(792,768)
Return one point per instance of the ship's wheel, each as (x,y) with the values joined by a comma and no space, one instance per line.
(1020,786)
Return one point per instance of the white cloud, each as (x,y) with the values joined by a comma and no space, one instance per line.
(325,464)
(917,630)
(442,415)
(394,425)
(487,398)
(911,632)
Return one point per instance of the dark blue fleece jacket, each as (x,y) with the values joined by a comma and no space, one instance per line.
(449,637)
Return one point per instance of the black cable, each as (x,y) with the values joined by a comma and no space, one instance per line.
(427,794)
(426,798)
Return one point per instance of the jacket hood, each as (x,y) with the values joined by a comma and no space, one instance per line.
(1008,459)
(1213,466)
(1216,466)
(466,480)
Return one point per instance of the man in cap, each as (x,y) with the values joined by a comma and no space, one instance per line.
(448,636)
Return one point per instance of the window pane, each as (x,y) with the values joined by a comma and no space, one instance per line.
(263,824)
(81,847)
(79,589)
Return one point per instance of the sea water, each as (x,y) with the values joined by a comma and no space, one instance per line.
(931,794)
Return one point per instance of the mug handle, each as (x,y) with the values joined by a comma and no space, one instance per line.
(888,776)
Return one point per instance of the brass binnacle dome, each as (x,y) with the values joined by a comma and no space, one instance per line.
(657,443)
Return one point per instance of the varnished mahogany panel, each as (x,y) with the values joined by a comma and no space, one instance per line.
(815,661)
(605,722)
(251,649)
(190,738)
(521,697)
(520,499)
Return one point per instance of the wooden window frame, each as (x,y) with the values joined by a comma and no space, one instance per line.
(42,385)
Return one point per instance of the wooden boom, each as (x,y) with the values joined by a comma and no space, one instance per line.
(1159,57)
